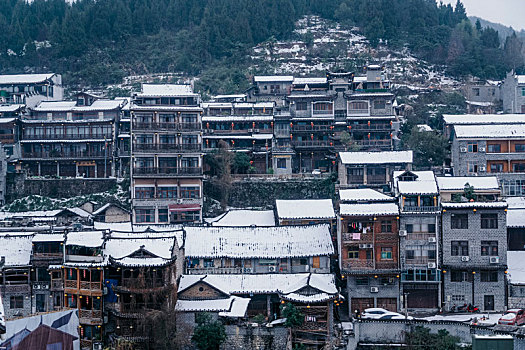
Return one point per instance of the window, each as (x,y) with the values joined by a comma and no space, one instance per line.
(519,147)
(144,192)
(353,253)
(459,221)
(457,297)
(472,147)
(518,167)
(208,262)
(387,280)
(431,254)
(386,226)
(167,192)
(489,276)
(460,276)
(496,167)
(163,215)
(410,254)
(281,163)
(489,248)
(359,105)
(386,253)
(301,106)
(489,221)
(16,302)
(475,91)
(361,281)
(316,262)
(144,215)
(459,248)
(523,91)
(472,167)
(368,254)
(189,192)
(495,148)
(380,104)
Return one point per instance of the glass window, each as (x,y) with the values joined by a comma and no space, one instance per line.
(472,147)
(144,192)
(380,104)
(144,215)
(489,248)
(519,147)
(495,148)
(460,276)
(459,221)
(459,248)
(190,192)
(16,302)
(489,276)
(489,221)
(472,167)
(518,167)
(410,254)
(353,253)
(386,253)
(386,226)
(281,163)
(361,281)
(496,167)
(167,192)
(163,215)
(301,106)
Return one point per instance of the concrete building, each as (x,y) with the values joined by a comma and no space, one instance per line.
(166,169)
(489,144)
(482,96)
(30,89)
(513,93)
(419,223)
(474,242)
(369,249)
(371,169)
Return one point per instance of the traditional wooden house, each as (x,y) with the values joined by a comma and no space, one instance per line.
(111,212)
(280,249)
(306,212)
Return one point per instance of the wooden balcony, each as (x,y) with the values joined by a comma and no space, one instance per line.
(155,171)
(58,154)
(90,316)
(371,127)
(214,270)
(84,285)
(420,209)
(374,143)
(167,147)
(310,128)
(80,137)
(312,144)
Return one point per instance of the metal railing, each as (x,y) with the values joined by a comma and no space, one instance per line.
(312,143)
(409,208)
(167,171)
(68,137)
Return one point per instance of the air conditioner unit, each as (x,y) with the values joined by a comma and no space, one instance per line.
(494,259)
(250,130)
(432,239)
(105,291)
(402,232)
(431,265)
(465,258)
(362,246)
(97,346)
(45,286)
(463,149)
(369,246)
(482,168)
(481,149)
(36,286)
(256,130)
(179,201)
(211,131)
(271,268)
(374,290)
(247,270)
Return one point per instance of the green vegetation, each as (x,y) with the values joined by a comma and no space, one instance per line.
(99,42)
(421,338)
(294,317)
(208,334)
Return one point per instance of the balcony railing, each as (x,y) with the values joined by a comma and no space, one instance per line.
(167,147)
(215,270)
(408,208)
(374,143)
(166,126)
(57,284)
(68,137)
(190,126)
(167,171)
(6,137)
(87,154)
(420,260)
(380,127)
(92,315)
(313,143)
(311,128)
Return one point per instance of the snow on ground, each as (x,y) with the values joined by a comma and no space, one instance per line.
(482,318)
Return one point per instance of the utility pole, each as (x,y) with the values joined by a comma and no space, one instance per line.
(105,156)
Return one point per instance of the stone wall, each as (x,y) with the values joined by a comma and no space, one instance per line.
(255,338)
(18,186)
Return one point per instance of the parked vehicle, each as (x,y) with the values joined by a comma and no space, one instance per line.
(394,316)
(472,308)
(513,317)
(374,312)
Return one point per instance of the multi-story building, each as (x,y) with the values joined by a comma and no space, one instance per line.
(15,253)
(489,144)
(369,249)
(270,88)
(46,283)
(10,128)
(482,97)
(419,223)
(83,283)
(371,169)
(65,138)
(3,174)
(306,212)
(513,93)
(123,140)
(473,242)
(30,89)
(166,149)
(244,126)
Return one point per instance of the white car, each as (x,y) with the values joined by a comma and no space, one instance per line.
(394,316)
(374,312)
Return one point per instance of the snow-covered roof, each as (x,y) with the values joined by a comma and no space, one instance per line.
(465,205)
(101,105)
(376,157)
(90,239)
(262,283)
(450,183)
(365,209)
(55,106)
(305,209)
(10,108)
(254,105)
(272,78)
(105,207)
(512,131)
(363,195)
(521,79)
(258,242)
(218,97)
(119,250)
(516,218)
(303,81)
(244,217)
(24,78)
(49,237)
(230,307)
(155,90)
(80,212)
(424,127)
(516,267)
(425,183)
(238,118)
(35,214)
(459,119)
(516,202)
(16,249)
(479,104)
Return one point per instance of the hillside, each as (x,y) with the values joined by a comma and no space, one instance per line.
(96,43)
(503,30)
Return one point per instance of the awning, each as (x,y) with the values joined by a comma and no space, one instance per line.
(184,207)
